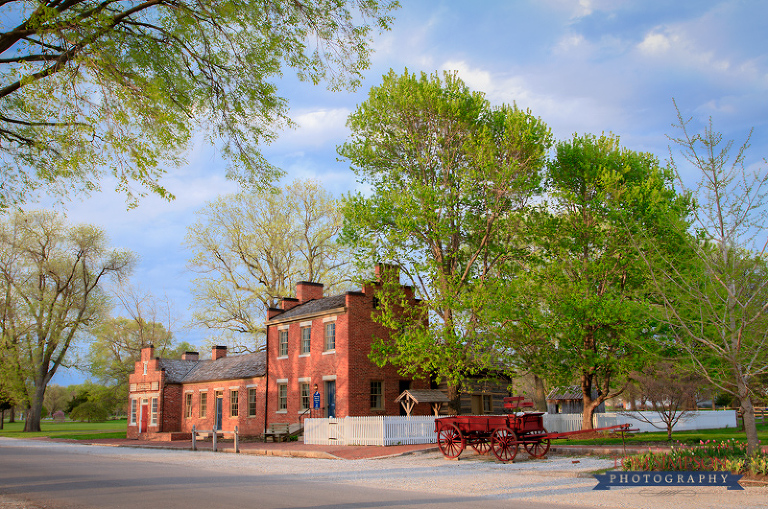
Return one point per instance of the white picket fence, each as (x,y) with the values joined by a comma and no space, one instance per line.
(421,429)
(370,431)
(690,421)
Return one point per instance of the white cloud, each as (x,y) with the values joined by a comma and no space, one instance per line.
(315,128)
(655,43)
(578,9)
(680,47)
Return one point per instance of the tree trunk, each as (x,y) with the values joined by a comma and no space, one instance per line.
(748,417)
(669,431)
(2,418)
(454,396)
(35,410)
(589,405)
(12,417)
(539,395)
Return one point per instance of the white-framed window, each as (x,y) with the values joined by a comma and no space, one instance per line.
(134,407)
(282,397)
(203,405)
(377,395)
(330,336)
(153,412)
(233,404)
(282,343)
(306,339)
(188,405)
(251,402)
(305,395)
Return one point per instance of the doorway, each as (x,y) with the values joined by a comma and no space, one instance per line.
(330,397)
(219,406)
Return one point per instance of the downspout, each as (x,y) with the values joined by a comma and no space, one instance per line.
(266,379)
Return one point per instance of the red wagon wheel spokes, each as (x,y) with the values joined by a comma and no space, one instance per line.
(450,441)
(504,444)
(539,448)
(482,447)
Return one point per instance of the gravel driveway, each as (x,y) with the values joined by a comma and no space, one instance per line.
(563,480)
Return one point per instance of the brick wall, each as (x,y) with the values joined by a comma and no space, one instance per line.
(142,388)
(247,424)
(348,365)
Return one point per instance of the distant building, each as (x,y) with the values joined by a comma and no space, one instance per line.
(569,400)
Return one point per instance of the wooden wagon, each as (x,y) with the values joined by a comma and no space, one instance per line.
(502,434)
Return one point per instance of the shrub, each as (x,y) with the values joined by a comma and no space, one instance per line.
(728,455)
(89,411)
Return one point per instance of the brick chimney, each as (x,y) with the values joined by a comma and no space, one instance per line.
(287,303)
(306,291)
(218,352)
(148,353)
(387,272)
(190,356)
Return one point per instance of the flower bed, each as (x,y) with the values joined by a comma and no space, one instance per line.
(728,455)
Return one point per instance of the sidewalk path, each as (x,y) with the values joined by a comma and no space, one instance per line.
(342,452)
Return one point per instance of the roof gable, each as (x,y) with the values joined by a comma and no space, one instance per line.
(312,307)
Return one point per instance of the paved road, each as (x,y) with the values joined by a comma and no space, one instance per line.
(74,476)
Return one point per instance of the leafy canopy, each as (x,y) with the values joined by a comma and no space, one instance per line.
(449,175)
(89,87)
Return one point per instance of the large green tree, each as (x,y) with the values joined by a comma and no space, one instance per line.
(717,306)
(449,175)
(579,308)
(51,279)
(92,87)
(250,249)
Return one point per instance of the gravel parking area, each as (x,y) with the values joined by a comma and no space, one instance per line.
(558,480)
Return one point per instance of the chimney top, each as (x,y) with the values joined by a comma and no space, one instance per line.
(218,352)
(190,356)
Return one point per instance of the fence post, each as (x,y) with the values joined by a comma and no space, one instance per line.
(237,443)
(215,434)
(194,438)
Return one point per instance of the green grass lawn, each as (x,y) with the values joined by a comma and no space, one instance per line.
(686,437)
(75,430)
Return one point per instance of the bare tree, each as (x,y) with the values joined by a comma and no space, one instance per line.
(714,289)
(670,391)
(251,249)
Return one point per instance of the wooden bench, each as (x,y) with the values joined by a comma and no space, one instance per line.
(278,432)
(513,403)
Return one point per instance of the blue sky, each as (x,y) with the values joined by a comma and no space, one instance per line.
(586,66)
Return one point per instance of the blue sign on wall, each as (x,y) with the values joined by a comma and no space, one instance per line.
(316,400)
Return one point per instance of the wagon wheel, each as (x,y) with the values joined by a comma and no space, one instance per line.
(537,449)
(504,444)
(450,441)
(483,446)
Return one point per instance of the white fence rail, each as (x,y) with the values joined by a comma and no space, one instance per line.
(370,431)
(421,429)
(690,421)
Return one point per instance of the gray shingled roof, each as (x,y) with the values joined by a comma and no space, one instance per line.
(314,306)
(425,396)
(227,368)
(569,392)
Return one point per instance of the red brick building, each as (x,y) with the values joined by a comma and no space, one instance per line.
(169,396)
(311,341)
(325,341)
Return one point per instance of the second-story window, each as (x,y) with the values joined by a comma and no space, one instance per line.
(306,335)
(330,336)
(282,343)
